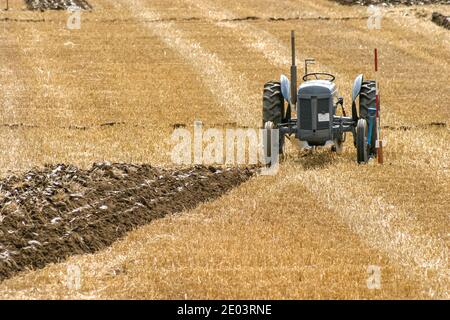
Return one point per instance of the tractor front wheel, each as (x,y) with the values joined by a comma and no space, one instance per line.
(268,127)
(362,145)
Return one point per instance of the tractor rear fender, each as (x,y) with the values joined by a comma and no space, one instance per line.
(285,87)
(357,87)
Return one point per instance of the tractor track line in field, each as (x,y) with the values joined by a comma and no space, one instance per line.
(21,20)
(230,89)
(197,19)
(212,125)
(417,254)
(251,18)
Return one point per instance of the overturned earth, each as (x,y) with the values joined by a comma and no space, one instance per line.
(391,2)
(441,20)
(57,4)
(49,214)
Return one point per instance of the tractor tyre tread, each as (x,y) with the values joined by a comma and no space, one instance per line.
(361,142)
(273,103)
(367,100)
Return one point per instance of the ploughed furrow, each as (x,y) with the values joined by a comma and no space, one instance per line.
(50,214)
(57,4)
(255,242)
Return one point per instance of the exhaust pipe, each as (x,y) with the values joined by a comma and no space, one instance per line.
(293,72)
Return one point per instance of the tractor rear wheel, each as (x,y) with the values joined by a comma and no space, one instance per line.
(362,146)
(273,103)
(367,99)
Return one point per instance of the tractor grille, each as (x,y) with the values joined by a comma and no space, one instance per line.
(323,106)
(305,114)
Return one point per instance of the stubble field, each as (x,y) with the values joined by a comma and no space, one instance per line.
(114,90)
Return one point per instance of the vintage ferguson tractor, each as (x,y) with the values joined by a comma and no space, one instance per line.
(316,102)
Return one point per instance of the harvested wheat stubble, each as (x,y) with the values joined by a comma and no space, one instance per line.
(57,4)
(441,20)
(392,2)
(50,214)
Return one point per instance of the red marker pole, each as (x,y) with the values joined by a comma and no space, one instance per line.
(376,59)
(379,142)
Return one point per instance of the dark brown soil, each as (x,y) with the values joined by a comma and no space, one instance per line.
(441,20)
(391,2)
(57,4)
(49,214)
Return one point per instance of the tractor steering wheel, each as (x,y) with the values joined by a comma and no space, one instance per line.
(316,74)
